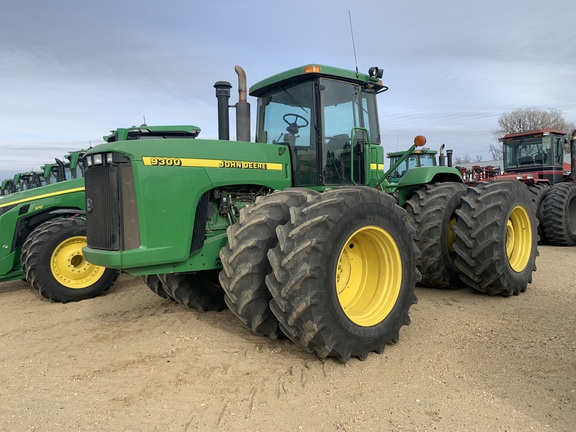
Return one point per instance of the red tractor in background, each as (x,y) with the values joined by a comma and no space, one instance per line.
(536,158)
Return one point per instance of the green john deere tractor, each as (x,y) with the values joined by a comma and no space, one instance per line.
(301,233)
(8,186)
(43,229)
(421,157)
(50,173)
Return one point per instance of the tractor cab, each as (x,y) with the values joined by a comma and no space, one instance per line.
(11,187)
(16,183)
(537,153)
(4,190)
(39,179)
(51,173)
(423,157)
(74,165)
(328,119)
(26,181)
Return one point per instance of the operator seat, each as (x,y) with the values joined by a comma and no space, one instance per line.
(332,156)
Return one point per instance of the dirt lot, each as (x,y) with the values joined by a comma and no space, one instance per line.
(133,361)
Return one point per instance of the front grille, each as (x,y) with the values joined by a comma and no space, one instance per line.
(111,209)
(102,207)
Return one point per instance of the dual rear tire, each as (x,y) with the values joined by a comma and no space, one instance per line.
(343,273)
(496,238)
(432,211)
(559,214)
(483,237)
(335,274)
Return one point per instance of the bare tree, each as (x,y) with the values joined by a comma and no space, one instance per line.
(527,119)
(496,151)
(466,159)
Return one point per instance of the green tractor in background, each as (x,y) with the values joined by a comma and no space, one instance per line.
(28,180)
(8,186)
(53,173)
(50,173)
(43,228)
(302,233)
(420,157)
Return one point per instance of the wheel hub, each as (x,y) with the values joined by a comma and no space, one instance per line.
(518,239)
(368,276)
(70,268)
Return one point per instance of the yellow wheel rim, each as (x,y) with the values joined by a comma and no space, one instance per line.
(518,239)
(70,268)
(369,276)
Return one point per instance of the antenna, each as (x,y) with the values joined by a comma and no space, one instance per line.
(353,44)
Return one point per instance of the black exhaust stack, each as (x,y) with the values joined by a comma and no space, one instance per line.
(223,95)
(242,108)
(449,156)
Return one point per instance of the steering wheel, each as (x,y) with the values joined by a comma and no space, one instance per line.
(293,127)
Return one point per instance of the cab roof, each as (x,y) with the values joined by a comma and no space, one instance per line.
(304,73)
(532,133)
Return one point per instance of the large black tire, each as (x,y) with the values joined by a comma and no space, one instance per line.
(538,191)
(54,264)
(559,214)
(432,212)
(245,261)
(343,273)
(200,290)
(496,238)
(155,284)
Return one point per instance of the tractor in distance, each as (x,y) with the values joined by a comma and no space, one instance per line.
(29,180)
(49,173)
(43,229)
(8,186)
(300,233)
(421,157)
(536,158)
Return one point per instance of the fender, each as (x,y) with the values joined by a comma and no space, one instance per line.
(415,178)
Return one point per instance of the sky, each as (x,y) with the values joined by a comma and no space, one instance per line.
(72,70)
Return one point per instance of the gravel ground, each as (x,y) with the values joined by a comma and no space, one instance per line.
(131,361)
